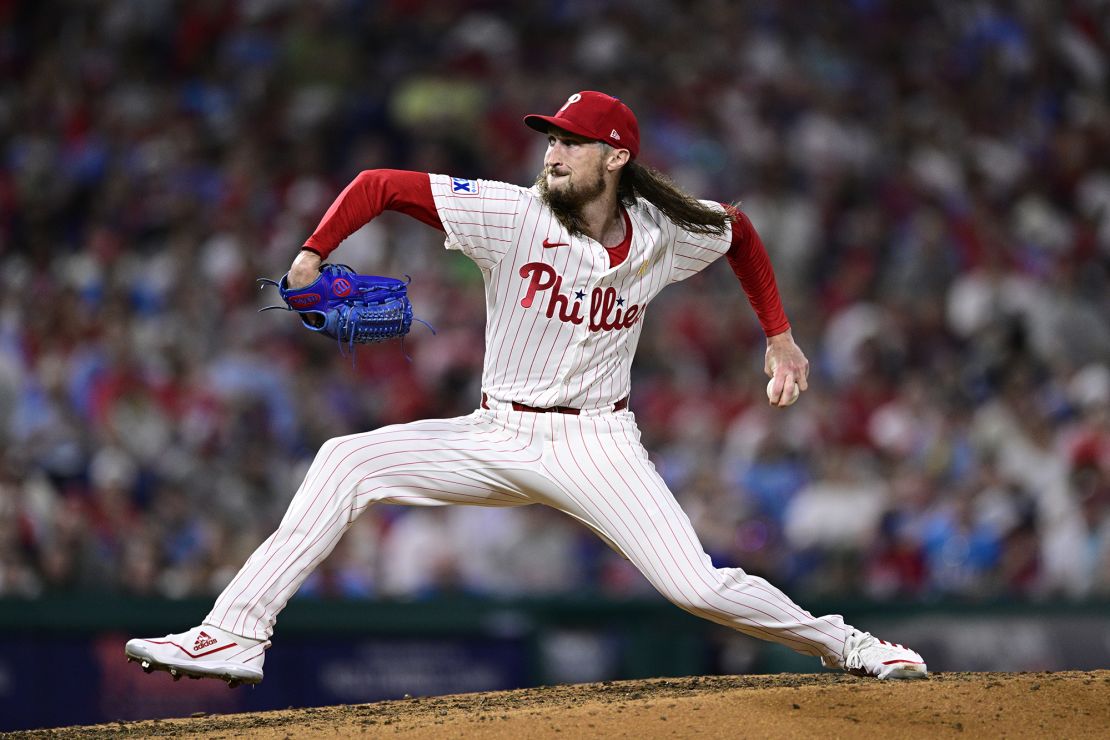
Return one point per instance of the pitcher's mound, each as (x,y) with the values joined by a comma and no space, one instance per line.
(1012,705)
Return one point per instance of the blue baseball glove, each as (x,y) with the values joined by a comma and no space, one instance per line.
(350,308)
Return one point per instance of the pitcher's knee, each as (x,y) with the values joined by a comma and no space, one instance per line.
(702,595)
(339,458)
(333,472)
(327,456)
(365,454)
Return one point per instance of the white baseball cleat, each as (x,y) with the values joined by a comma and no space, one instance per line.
(865,655)
(202,652)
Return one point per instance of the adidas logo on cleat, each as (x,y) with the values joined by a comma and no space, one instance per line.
(203,640)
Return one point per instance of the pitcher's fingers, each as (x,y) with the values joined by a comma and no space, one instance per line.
(773,393)
(788,381)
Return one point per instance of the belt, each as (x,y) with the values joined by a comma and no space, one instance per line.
(620,405)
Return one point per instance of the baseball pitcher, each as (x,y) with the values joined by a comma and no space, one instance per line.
(570,266)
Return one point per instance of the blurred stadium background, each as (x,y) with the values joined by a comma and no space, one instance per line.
(932,180)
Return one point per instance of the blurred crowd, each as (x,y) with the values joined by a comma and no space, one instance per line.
(931,179)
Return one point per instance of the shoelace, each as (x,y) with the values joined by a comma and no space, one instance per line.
(861,641)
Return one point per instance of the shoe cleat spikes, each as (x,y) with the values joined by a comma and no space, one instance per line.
(229,658)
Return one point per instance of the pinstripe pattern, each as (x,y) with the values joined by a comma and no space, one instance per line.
(591,467)
(694,252)
(431,462)
(611,485)
(544,361)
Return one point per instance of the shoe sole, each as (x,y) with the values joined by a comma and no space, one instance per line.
(233,673)
(907,673)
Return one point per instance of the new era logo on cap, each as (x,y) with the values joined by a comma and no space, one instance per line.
(593,115)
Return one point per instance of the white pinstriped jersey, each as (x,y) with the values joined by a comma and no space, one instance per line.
(561,324)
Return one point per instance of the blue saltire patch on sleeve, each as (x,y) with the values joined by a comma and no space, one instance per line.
(461,186)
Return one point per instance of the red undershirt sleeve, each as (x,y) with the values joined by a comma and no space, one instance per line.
(748,259)
(370,194)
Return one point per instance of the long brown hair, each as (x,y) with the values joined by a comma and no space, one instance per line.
(683,209)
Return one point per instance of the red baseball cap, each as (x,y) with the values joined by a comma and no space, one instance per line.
(596,116)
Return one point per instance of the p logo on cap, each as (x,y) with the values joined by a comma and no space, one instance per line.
(570,101)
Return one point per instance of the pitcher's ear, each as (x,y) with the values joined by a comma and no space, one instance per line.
(618,158)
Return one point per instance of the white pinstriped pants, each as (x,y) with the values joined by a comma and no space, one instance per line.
(590,466)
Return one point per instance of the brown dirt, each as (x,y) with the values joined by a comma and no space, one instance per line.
(998,705)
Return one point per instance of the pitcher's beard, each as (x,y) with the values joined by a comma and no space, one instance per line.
(567,202)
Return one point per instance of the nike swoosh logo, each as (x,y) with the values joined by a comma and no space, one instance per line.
(549,245)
